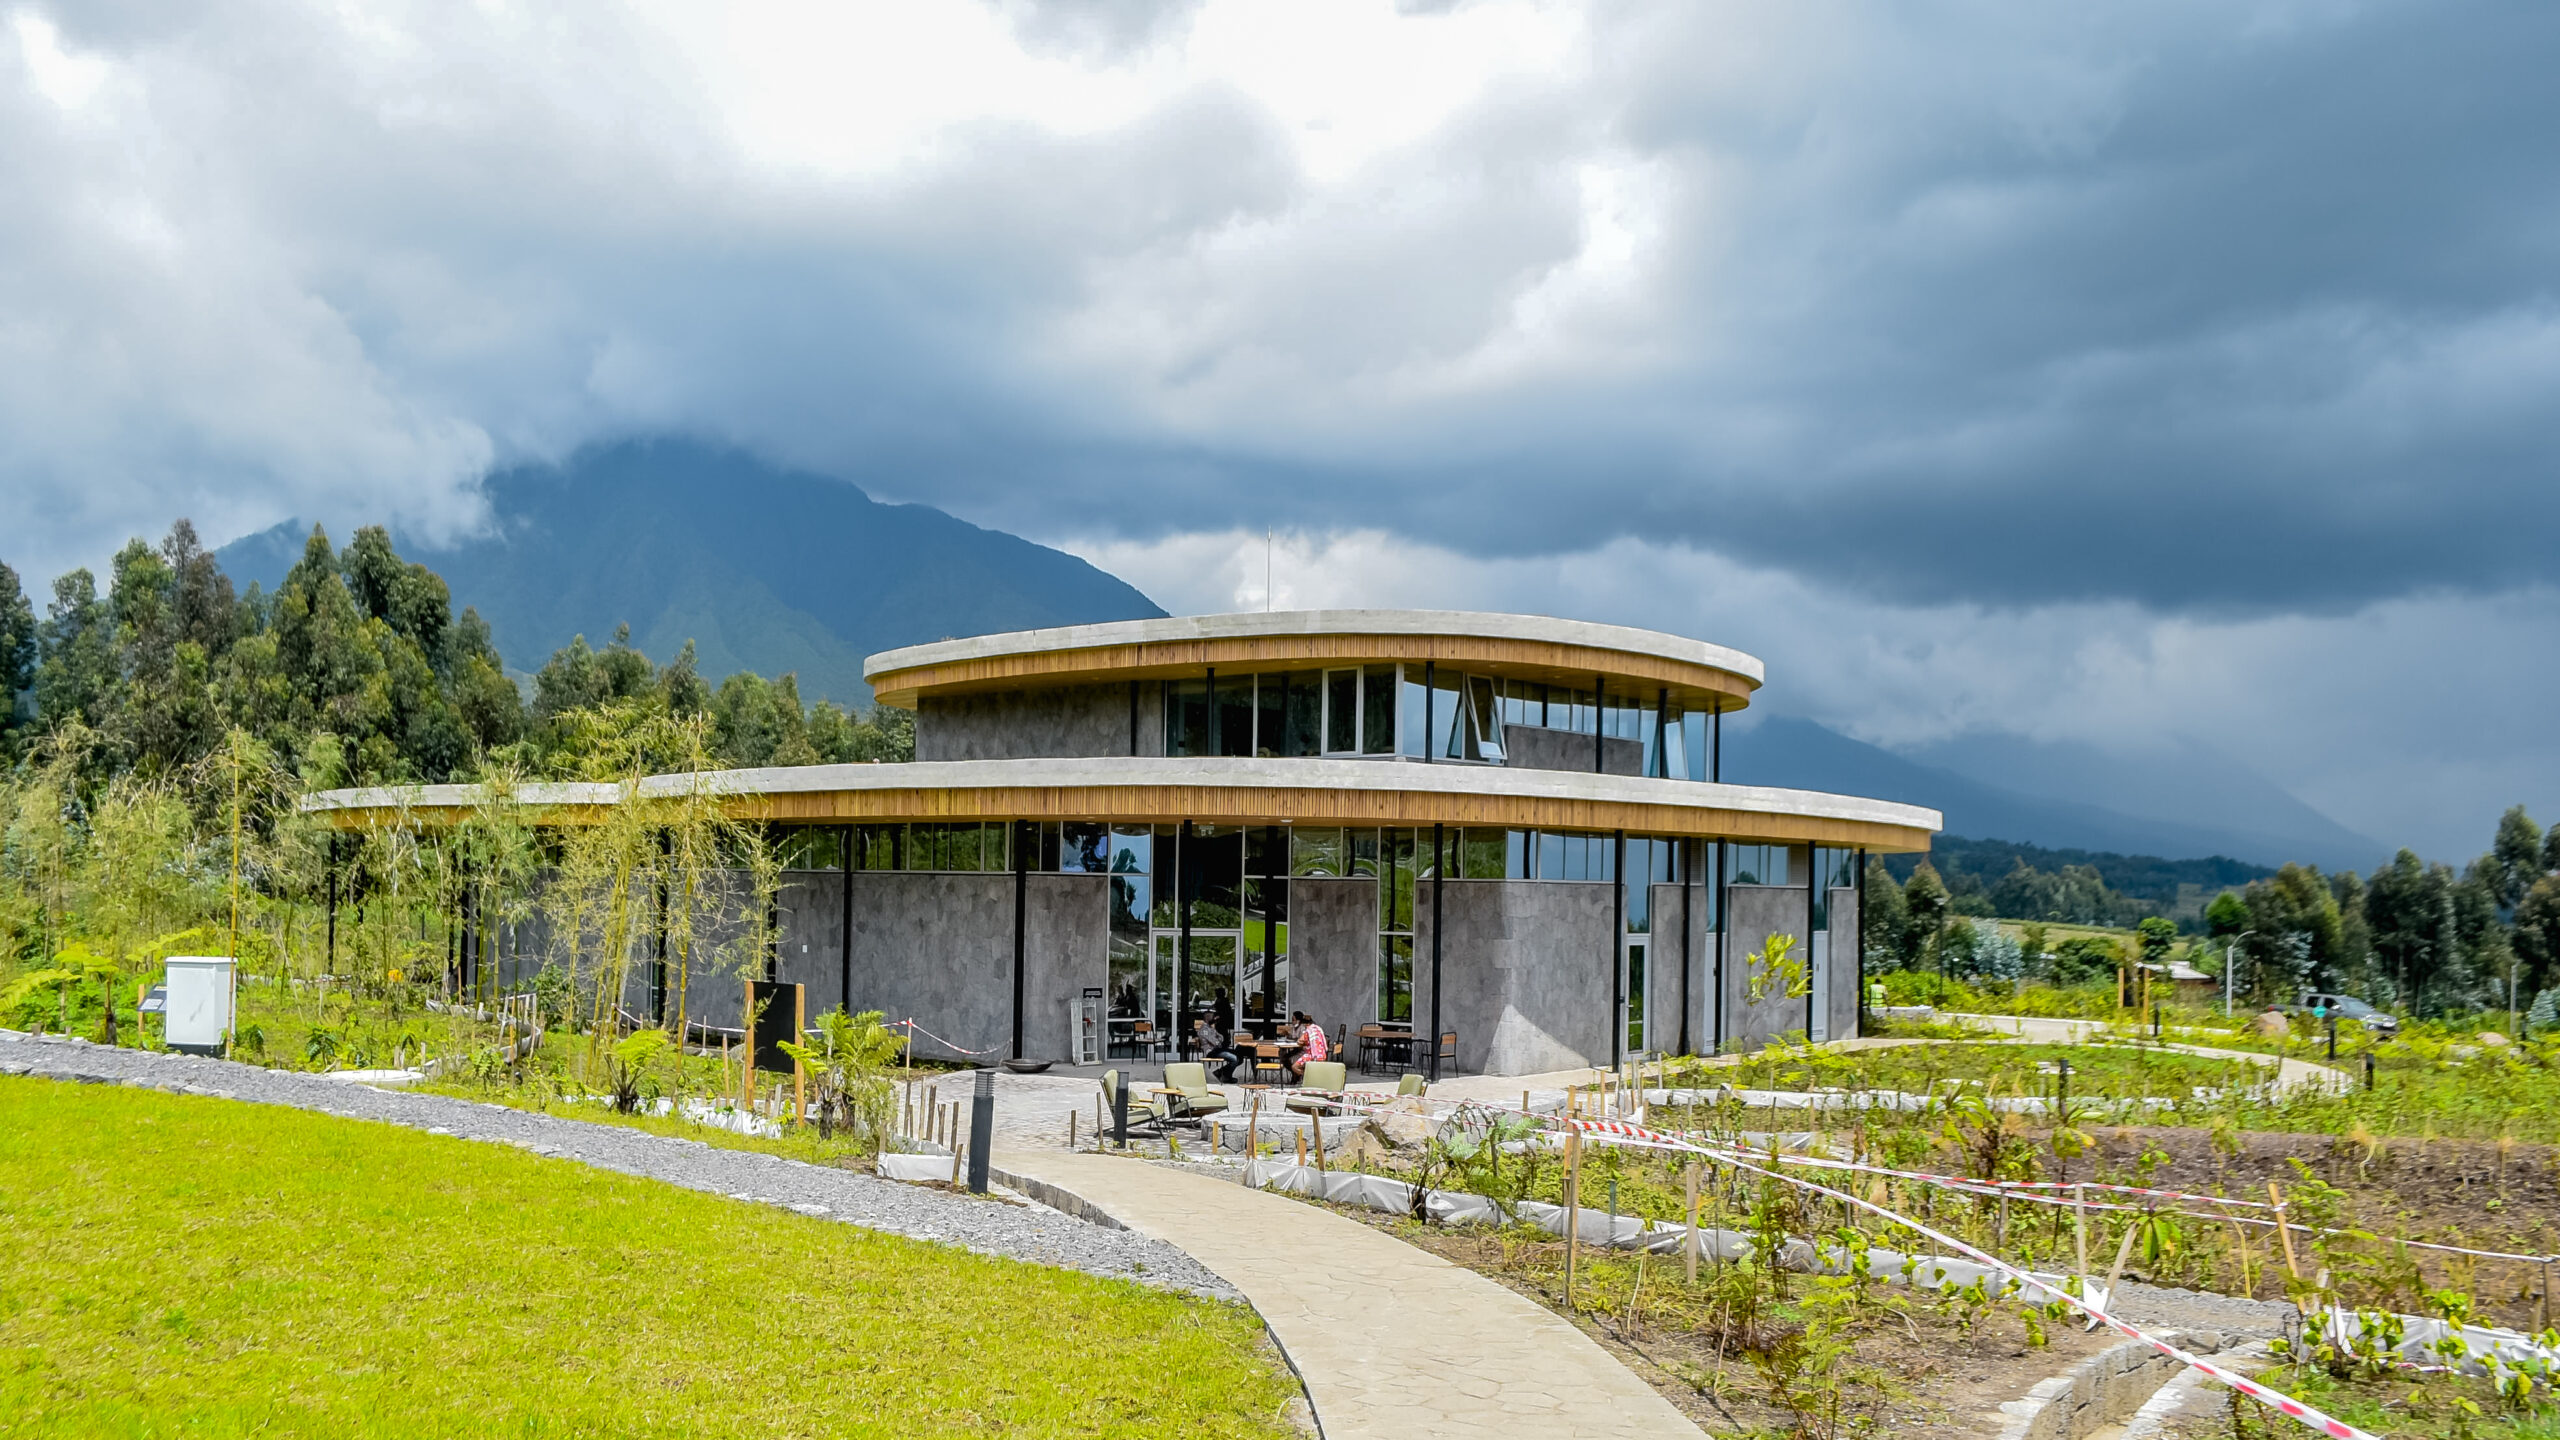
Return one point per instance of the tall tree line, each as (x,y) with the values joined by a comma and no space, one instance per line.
(2412,935)
(356,670)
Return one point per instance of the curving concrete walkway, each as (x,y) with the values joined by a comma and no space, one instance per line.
(1393,1342)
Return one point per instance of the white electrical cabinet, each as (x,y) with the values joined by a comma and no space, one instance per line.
(198,1019)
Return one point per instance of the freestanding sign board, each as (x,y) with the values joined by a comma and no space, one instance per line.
(198,1018)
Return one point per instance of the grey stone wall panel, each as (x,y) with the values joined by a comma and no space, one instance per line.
(1056,722)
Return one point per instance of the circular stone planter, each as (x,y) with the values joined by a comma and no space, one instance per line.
(1020,1066)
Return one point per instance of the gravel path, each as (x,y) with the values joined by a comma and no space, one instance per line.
(1014,1231)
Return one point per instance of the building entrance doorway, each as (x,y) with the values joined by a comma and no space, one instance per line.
(1635,980)
(1212,983)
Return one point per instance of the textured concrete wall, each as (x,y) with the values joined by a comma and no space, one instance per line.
(1527,966)
(1844,963)
(1063,722)
(1333,950)
(1531,747)
(1669,905)
(938,948)
(1756,913)
(1066,950)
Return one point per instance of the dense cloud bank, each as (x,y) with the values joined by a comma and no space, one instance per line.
(2177,335)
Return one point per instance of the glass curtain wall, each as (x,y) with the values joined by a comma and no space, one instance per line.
(1393,710)
(1651,861)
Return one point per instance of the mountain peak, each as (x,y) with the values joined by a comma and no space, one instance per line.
(764,568)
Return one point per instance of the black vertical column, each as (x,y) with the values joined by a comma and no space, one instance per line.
(331,961)
(1182,947)
(1812,902)
(1724,933)
(844,916)
(1715,760)
(1688,932)
(1275,866)
(1860,890)
(658,967)
(1021,886)
(1439,865)
(1618,955)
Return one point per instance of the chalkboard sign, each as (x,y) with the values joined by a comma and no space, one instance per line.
(779,1020)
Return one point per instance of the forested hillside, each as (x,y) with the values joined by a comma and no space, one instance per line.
(761,568)
(2412,934)
(354,670)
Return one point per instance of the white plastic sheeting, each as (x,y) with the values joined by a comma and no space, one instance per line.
(1598,1227)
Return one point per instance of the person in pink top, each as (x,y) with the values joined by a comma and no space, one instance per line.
(1311,1044)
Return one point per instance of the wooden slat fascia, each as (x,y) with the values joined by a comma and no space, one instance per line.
(1548,662)
(1270,805)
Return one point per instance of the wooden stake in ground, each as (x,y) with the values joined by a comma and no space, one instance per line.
(1689,1249)
(1572,1211)
(1302,1147)
(1317,1121)
(1071,1129)
(2124,1252)
(799,1072)
(1253,1130)
(2284,1231)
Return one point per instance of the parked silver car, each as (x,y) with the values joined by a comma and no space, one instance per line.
(2347,1007)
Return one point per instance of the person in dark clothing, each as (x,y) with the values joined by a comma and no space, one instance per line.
(1210,1044)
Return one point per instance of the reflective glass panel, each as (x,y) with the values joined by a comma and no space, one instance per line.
(1304,734)
(1213,981)
(1378,710)
(1270,715)
(1395,977)
(1638,972)
(1213,872)
(1409,737)
(1484,727)
(1317,850)
(1342,712)
(1449,715)
(1233,722)
(1084,848)
(1186,717)
(1482,855)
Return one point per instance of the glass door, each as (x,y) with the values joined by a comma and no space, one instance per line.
(1638,971)
(1214,955)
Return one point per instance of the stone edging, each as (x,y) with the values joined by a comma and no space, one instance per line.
(2105,1389)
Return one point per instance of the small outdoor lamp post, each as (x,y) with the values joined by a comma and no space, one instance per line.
(982,1129)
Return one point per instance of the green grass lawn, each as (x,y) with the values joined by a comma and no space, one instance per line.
(186,1266)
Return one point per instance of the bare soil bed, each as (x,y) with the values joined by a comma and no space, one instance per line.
(2480,1194)
(1912,1369)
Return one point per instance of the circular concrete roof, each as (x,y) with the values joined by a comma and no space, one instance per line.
(1539,648)
(1212,791)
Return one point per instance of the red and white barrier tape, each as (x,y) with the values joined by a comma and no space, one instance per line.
(1628,1133)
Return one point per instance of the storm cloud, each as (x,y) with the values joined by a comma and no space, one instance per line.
(2233,321)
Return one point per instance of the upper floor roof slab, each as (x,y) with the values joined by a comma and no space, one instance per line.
(1541,648)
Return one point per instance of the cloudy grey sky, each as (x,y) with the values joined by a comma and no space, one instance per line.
(2106,374)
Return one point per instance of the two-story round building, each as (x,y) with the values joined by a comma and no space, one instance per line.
(1505,834)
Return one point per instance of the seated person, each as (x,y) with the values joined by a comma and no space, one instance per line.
(1311,1046)
(1210,1043)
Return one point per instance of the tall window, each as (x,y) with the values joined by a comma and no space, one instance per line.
(1392,856)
